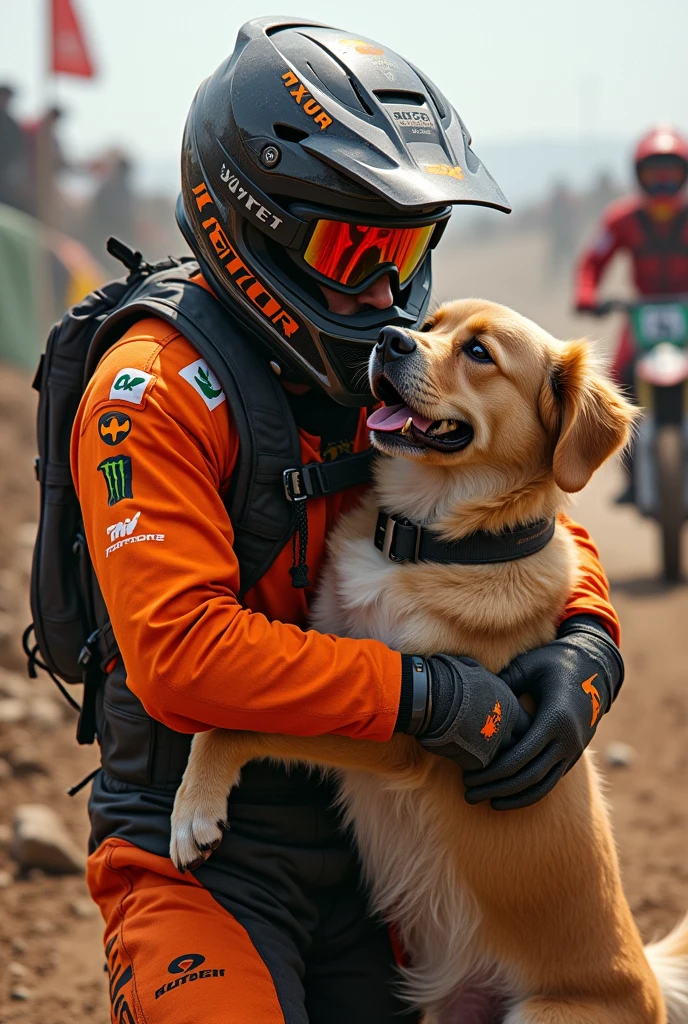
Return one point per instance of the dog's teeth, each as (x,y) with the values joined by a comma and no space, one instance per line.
(407,426)
(444,428)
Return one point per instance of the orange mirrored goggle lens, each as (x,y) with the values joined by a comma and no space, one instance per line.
(349,253)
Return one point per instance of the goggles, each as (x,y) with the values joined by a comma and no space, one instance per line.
(348,254)
(663,175)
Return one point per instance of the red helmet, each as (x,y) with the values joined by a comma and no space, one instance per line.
(661,161)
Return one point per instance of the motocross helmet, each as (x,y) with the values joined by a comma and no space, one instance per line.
(315,157)
(661,162)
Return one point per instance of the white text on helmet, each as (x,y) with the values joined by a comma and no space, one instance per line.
(262,214)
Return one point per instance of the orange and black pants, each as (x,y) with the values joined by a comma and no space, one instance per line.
(273,928)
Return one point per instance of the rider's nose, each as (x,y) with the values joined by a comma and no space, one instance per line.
(393,343)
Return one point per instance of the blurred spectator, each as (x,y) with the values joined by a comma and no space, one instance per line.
(560,223)
(45,161)
(603,193)
(12,150)
(113,207)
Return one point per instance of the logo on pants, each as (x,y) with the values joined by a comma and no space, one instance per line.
(187,966)
(182,964)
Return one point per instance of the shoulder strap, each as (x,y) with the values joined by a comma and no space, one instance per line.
(268,440)
(269,479)
(679,243)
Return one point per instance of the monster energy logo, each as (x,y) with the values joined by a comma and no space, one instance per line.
(117,475)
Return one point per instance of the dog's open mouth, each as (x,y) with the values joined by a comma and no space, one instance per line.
(398,419)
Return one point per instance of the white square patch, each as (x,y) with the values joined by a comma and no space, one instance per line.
(130,385)
(202,379)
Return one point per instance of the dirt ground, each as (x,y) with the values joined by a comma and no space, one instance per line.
(49,935)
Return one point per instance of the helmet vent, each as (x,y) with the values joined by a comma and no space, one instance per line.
(409,99)
(436,99)
(289,132)
(360,97)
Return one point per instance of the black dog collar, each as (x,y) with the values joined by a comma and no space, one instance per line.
(404,541)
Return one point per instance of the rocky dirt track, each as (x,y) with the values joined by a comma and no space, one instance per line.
(51,963)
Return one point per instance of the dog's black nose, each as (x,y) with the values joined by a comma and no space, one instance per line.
(393,343)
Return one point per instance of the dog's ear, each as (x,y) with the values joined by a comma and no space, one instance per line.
(587,416)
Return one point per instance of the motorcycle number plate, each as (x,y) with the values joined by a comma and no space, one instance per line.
(657,323)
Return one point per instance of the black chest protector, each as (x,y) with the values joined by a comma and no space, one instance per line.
(662,243)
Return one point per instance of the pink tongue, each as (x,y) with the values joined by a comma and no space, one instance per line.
(393,417)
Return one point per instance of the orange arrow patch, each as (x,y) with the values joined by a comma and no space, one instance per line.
(587,687)
(491,727)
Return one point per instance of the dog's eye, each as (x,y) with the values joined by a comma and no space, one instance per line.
(427,326)
(476,350)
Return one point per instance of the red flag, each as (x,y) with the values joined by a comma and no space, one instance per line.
(69,53)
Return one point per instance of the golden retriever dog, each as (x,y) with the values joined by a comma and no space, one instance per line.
(515,917)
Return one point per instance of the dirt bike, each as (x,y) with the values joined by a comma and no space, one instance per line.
(660,372)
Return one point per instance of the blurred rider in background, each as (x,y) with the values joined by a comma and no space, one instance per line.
(652,226)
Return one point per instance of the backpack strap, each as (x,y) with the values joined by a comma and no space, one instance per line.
(318,479)
(269,467)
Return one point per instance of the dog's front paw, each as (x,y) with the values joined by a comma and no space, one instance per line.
(198,821)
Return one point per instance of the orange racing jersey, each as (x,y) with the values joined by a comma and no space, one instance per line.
(153,449)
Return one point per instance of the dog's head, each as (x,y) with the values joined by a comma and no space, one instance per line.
(481,386)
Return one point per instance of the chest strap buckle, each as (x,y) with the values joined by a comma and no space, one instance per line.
(294,485)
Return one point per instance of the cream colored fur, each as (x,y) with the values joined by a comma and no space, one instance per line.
(524,907)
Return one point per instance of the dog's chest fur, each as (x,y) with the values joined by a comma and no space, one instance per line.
(489,612)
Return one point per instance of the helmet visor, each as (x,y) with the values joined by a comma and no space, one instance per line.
(349,253)
(662,174)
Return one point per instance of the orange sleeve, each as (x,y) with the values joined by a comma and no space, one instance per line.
(590,596)
(161,545)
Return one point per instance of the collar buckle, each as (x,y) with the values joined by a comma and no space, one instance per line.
(402,540)
(397,538)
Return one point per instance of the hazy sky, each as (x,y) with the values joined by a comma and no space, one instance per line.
(513,68)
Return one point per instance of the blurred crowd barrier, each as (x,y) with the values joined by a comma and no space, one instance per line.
(55,217)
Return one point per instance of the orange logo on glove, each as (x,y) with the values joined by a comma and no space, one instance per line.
(491,727)
(587,687)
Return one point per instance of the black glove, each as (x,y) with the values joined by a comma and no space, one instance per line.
(600,309)
(458,709)
(573,681)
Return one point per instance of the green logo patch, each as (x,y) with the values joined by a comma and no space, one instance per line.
(130,385)
(127,383)
(204,382)
(118,478)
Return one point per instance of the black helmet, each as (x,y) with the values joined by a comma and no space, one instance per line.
(314,156)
